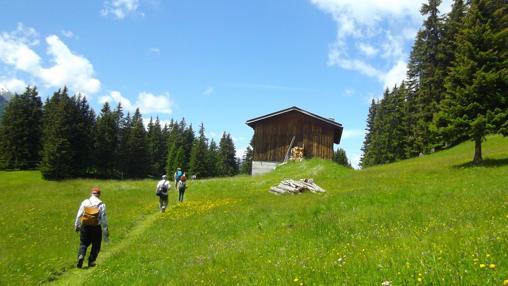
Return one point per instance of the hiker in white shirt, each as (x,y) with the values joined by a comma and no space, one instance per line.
(162,190)
(91,222)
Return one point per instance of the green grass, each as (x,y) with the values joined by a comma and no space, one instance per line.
(433,219)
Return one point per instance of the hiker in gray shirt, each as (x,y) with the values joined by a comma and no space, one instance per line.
(91,222)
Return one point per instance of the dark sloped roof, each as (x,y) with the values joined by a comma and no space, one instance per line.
(252,122)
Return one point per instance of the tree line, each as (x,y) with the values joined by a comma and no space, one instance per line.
(456,87)
(64,138)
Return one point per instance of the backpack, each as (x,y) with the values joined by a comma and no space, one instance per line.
(91,215)
(163,189)
(181,185)
(178,174)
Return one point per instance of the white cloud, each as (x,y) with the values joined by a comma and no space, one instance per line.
(240,152)
(120,8)
(13,85)
(388,26)
(355,160)
(349,92)
(68,34)
(367,49)
(146,102)
(115,97)
(154,51)
(208,91)
(68,68)
(353,133)
(395,75)
(151,103)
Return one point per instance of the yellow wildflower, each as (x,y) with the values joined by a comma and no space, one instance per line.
(505,283)
(295,280)
(420,279)
(482,265)
(492,266)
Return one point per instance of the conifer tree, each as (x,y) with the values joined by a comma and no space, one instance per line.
(340,157)
(57,151)
(227,163)
(246,167)
(106,142)
(138,161)
(21,130)
(124,127)
(82,137)
(156,148)
(369,133)
(212,159)
(476,103)
(197,164)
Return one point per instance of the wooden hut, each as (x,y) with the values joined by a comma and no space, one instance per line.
(277,132)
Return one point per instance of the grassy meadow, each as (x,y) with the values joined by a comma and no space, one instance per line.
(433,220)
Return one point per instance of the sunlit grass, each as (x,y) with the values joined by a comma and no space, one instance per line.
(428,221)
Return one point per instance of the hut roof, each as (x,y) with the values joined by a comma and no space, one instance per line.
(337,126)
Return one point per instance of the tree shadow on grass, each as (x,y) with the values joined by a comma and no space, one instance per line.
(488,163)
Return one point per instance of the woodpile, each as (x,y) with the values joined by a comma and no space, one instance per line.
(296,153)
(296,187)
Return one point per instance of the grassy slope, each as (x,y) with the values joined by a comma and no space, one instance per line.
(430,219)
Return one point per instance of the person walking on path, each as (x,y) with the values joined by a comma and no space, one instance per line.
(162,190)
(92,224)
(177,176)
(181,187)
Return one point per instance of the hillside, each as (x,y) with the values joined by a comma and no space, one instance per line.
(430,220)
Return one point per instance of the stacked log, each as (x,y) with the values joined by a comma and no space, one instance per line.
(296,187)
(296,153)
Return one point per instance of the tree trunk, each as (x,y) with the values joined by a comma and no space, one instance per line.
(477,151)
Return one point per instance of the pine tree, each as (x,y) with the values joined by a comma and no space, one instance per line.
(197,164)
(21,131)
(156,148)
(246,167)
(227,163)
(340,157)
(57,151)
(476,102)
(369,133)
(212,159)
(124,128)
(138,161)
(106,142)
(82,135)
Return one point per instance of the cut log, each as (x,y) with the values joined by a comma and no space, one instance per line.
(289,186)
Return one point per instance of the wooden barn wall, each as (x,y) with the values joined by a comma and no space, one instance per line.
(273,136)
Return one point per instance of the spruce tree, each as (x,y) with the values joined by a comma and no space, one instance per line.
(82,135)
(156,148)
(58,126)
(21,131)
(476,102)
(197,164)
(369,133)
(106,142)
(340,157)
(227,163)
(138,161)
(246,167)
(212,159)
(124,128)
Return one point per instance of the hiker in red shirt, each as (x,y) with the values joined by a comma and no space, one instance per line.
(92,224)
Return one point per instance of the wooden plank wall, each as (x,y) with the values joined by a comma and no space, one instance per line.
(272,137)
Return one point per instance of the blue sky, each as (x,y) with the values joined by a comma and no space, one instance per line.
(216,62)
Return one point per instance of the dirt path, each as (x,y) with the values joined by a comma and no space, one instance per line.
(77,276)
